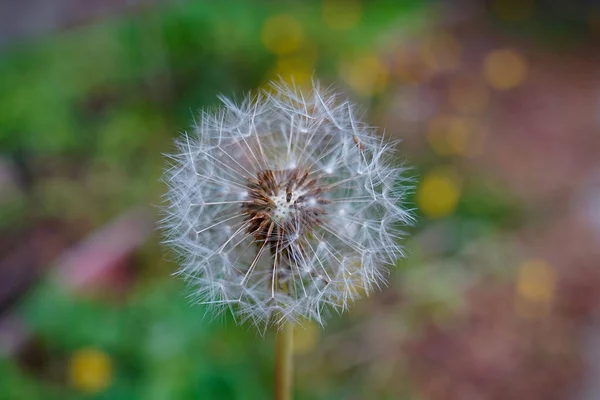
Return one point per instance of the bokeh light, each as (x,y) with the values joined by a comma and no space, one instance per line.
(282,34)
(439,192)
(504,69)
(297,67)
(536,281)
(452,135)
(90,370)
(365,74)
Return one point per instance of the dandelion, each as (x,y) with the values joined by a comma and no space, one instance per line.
(284,206)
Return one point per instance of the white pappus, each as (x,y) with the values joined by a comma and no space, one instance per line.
(284,206)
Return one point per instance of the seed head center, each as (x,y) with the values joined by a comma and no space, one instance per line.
(283,204)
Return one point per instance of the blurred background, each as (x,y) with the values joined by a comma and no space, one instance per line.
(498,106)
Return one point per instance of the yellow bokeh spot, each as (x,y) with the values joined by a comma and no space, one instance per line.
(452,135)
(536,284)
(289,72)
(468,94)
(282,34)
(306,337)
(536,281)
(441,52)
(438,192)
(512,10)
(296,68)
(504,69)
(365,74)
(90,370)
(341,14)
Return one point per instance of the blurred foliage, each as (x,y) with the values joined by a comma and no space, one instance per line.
(99,104)
(160,344)
(84,118)
(105,87)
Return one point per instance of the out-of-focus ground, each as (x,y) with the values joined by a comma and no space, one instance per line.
(498,107)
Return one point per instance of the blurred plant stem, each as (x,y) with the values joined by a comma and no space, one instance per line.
(284,362)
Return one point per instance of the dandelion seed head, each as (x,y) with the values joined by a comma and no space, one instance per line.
(284,206)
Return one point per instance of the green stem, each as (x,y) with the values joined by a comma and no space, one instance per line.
(284,362)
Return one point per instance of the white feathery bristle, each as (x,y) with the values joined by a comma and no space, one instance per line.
(284,207)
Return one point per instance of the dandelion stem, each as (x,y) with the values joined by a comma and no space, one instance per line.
(284,362)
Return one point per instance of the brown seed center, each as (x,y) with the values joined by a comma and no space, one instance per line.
(283,204)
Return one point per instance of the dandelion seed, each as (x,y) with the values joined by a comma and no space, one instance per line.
(284,206)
